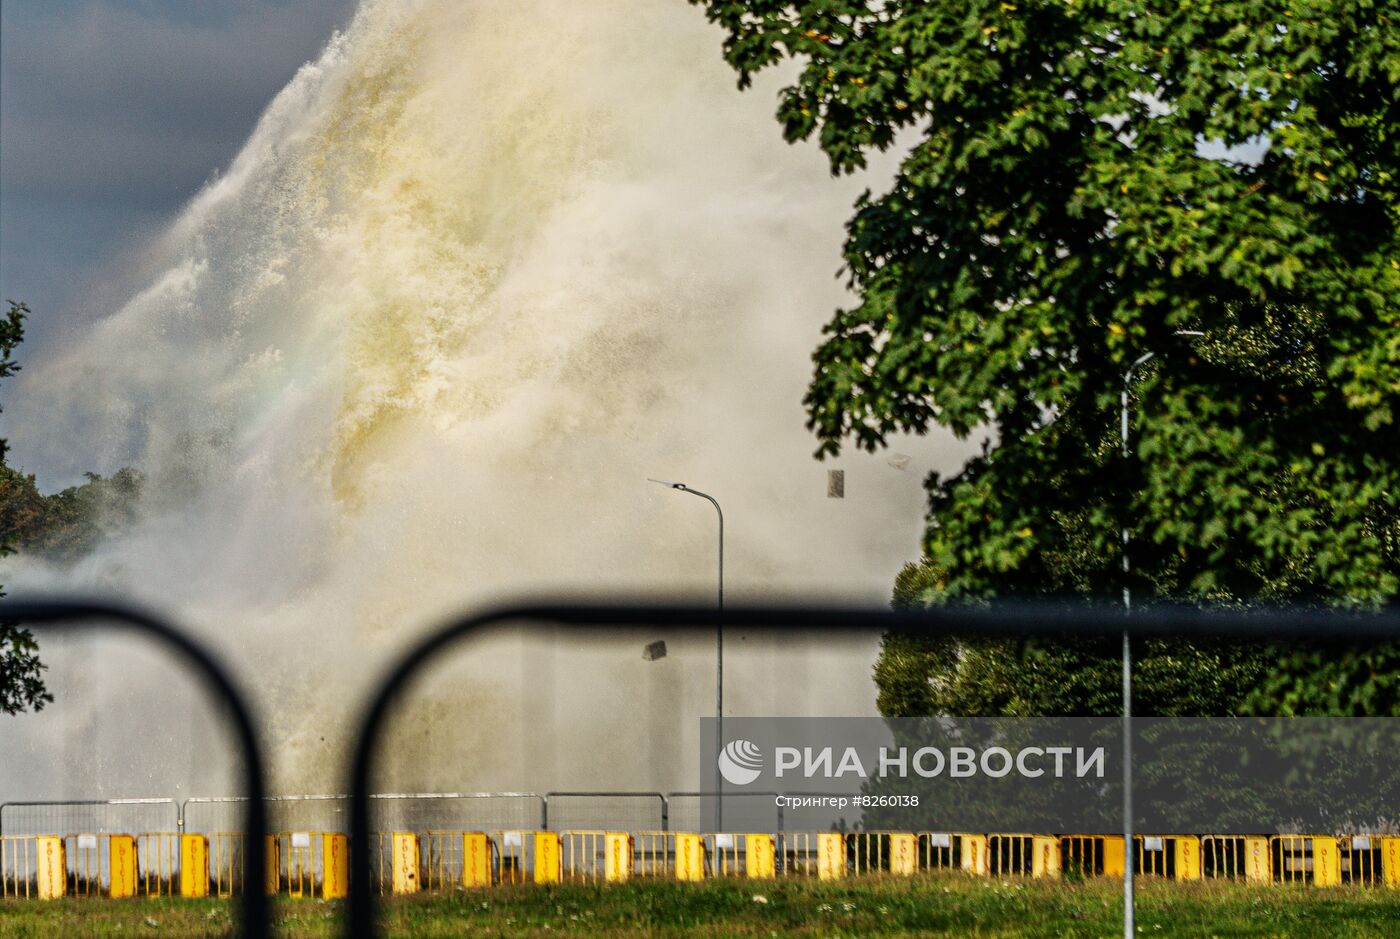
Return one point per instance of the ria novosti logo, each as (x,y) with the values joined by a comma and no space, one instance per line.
(740,762)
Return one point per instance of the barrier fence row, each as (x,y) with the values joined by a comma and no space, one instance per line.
(316,863)
(558,811)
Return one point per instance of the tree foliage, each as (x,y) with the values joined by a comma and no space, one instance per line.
(67,525)
(21,672)
(1084,180)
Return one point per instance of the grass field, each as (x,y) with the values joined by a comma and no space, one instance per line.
(927,906)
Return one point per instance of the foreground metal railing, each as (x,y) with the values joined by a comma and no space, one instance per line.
(1318,859)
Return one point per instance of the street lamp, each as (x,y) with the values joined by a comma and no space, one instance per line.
(1129,856)
(719,643)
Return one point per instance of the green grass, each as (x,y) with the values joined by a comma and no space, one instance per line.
(947,905)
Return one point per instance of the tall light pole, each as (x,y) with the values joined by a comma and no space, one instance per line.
(719,644)
(1129,855)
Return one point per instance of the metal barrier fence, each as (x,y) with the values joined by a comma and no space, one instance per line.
(393,811)
(449,859)
(158,861)
(1236,857)
(1310,859)
(760,810)
(316,864)
(226,862)
(654,853)
(596,856)
(88,865)
(97,816)
(480,811)
(1095,855)
(606,811)
(19,867)
(207,816)
(1361,860)
(1010,854)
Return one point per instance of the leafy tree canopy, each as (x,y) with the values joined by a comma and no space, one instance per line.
(21,672)
(65,526)
(1084,180)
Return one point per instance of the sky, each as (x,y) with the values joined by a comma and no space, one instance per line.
(113,113)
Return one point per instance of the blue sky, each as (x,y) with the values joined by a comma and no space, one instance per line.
(112,115)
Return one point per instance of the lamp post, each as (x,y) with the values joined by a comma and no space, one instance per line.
(1129,856)
(719,644)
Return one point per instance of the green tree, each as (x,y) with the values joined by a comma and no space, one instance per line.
(67,525)
(1075,192)
(21,672)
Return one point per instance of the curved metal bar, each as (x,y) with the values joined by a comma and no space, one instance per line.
(78,615)
(1009,620)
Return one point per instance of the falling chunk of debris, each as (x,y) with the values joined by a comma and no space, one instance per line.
(836,484)
(655,650)
(899,461)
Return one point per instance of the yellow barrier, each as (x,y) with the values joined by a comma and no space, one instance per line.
(810,854)
(1327,862)
(875,851)
(1259,862)
(1046,857)
(121,864)
(549,862)
(538,854)
(975,854)
(405,863)
(1097,855)
(619,864)
(273,874)
(1114,856)
(759,855)
(1188,857)
(904,854)
(1180,857)
(476,859)
(690,856)
(1310,859)
(53,869)
(596,856)
(440,859)
(831,856)
(317,864)
(335,866)
(1390,861)
(194,866)
(1235,857)
(450,859)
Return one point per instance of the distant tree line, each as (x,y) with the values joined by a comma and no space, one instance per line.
(66,525)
